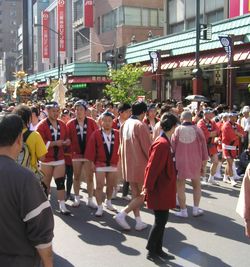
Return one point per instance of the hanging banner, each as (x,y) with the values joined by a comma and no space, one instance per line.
(88,14)
(45,37)
(154,59)
(227,43)
(238,8)
(61,25)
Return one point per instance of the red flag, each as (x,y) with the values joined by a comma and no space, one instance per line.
(61,23)
(88,14)
(45,37)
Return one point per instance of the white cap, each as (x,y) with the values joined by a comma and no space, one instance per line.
(246,109)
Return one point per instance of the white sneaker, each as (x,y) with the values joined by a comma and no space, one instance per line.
(203,180)
(99,211)
(76,203)
(232,181)
(212,181)
(181,213)
(197,212)
(91,204)
(140,226)
(120,219)
(226,179)
(109,205)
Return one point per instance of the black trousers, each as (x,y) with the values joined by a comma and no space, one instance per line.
(156,234)
(69,177)
(125,189)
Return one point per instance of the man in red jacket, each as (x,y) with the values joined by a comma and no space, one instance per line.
(79,132)
(102,151)
(210,130)
(231,134)
(54,134)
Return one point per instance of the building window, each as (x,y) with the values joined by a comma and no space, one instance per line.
(214,16)
(109,21)
(178,27)
(132,16)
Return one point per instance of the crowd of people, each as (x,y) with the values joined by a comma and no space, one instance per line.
(144,146)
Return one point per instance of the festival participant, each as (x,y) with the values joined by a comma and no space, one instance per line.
(159,186)
(232,132)
(191,155)
(54,134)
(150,118)
(210,130)
(135,143)
(102,151)
(124,110)
(243,206)
(79,132)
(218,141)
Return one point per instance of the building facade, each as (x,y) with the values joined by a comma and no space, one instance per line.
(10,19)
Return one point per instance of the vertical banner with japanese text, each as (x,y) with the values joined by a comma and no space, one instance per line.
(45,37)
(61,25)
(88,14)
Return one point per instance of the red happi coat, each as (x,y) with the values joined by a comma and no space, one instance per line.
(160,176)
(229,138)
(211,145)
(44,130)
(95,150)
(72,134)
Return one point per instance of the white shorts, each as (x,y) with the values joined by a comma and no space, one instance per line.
(54,163)
(106,169)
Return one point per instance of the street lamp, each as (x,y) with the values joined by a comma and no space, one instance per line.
(58,45)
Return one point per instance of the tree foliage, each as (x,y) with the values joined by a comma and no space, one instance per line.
(125,84)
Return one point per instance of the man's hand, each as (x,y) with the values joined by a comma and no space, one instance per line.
(67,142)
(247,228)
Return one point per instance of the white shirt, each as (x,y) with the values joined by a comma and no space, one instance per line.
(107,139)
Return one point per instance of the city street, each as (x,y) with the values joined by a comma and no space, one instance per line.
(215,239)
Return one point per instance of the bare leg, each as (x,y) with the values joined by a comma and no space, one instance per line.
(89,178)
(100,181)
(77,166)
(181,193)
(196,192)
(111,180)
(59,172)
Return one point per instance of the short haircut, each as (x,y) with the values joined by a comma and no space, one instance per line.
(168,120)
(186,116)
(138,108)
(123,107)
(107,114)
(24,112)
(35,110)
(11,126)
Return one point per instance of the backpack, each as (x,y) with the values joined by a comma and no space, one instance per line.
(24,156)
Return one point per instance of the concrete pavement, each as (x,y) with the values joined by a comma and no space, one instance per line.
(215,239)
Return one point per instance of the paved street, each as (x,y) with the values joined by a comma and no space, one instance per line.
(216,239)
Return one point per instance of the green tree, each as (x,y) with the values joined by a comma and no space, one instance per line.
(125,84)
(49,90)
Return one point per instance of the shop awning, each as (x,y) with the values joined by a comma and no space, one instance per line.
(209,59)
(90,79)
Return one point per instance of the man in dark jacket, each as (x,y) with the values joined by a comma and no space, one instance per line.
(26,219)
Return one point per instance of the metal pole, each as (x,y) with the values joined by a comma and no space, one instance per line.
(58,54)
(197,21)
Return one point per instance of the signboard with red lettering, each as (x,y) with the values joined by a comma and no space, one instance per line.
(45,37)
(61,24)
(238,7)
(88,14)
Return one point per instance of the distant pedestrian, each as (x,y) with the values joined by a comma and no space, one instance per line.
(26,219)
